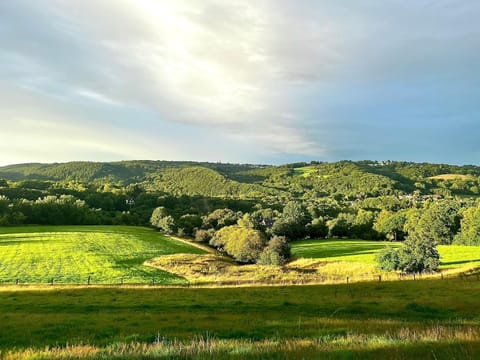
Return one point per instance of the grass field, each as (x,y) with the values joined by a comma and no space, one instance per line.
(69,254)
(363,251)
(431,319)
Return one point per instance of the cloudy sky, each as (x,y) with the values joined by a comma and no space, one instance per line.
(270,81)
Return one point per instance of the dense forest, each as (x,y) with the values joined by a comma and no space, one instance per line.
(251,211)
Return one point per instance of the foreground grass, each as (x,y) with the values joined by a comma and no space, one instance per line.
(396,320)
(70,254)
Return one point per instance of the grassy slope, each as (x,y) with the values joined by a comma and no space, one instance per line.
(389,320)
(363,251)
(69,254)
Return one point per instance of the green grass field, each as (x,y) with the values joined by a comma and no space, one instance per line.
(431,319)
(69,254)
(363,251)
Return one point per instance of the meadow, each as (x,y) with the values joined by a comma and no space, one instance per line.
(363,251)
(431,319)
(72,254)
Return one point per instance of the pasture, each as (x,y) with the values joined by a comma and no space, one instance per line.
(431,319)
(363,251)
(70,254)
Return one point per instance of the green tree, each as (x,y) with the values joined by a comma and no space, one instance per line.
(277,252)
(419,254)
(221,218)
(439,221)
(470,227)
(189,224)
(162,221)
(391,224)
(243,244)
(388,259)
(293,221)
(317,228)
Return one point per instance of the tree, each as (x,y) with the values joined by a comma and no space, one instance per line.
(440,221)
(317,228)
(388,259)
(189,223)
(220,218)
(277,252)
(202,235)
(341,226)
(157,215)
(244,244)
(162,221)
(363,225)
(419,254)
(292,222)
(391,224)
(470,227)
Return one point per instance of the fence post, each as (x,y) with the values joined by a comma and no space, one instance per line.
(379,278)
(348,279)
(89,279)
(51,281)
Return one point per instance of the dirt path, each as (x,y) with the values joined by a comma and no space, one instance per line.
(206,248)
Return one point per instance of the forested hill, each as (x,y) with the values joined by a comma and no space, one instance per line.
(317,179)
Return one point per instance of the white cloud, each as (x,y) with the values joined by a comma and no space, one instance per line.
(264,77)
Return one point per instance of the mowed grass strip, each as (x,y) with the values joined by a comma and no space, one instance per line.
(364,251)
(70,254)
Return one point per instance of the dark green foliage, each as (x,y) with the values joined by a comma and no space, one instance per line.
(419,254)
(189,224)
(292,223)
(391,224)
(277,252)
(388,259)
(341,226)
(317,228)
(439,221)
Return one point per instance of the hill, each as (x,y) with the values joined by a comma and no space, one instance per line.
(247,181)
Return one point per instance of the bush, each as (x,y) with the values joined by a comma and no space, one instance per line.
(277,252)
(204,235)
(388,259)
(419,254)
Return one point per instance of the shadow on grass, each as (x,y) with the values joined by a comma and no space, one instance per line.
(338,248)
(460,262)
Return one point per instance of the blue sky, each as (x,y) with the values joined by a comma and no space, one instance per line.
(270,81)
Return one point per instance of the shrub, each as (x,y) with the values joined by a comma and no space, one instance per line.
(388,259)
(277,252)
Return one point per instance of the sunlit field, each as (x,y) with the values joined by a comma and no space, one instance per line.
(72,254)
(364,251)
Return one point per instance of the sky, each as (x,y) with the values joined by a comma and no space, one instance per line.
(260,81)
